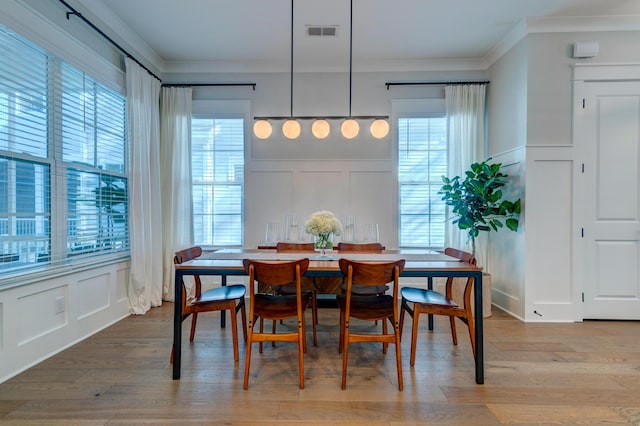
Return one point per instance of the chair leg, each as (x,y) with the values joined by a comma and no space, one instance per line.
(273,331)
(314,309)
(302,347)
(314,321)
(340,339)
(244,319)
(454,334)
(414,337)
(384,331)
(345,352)
(247,359)
(472,335)
(234,329)
(261,332)
(398,357)
(402,309)
(194,319)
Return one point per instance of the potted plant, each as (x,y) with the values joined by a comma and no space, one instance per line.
(477,200)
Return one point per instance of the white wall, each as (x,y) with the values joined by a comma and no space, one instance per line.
(530,123)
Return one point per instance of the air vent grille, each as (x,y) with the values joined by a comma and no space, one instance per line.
(322,30)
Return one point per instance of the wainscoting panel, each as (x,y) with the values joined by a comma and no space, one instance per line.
(39,313)
(372,200)
(93,295)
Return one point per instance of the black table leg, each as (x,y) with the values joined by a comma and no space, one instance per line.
(430,316)
(177,326)
(477,292)
(223,318)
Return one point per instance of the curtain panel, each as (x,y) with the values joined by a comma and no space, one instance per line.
(465,107)
(175,157)
(143,109)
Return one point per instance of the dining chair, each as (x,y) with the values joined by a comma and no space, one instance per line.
(277,307)
(416,301)
(370,307)
(222,298)
(307,282)
(362,248)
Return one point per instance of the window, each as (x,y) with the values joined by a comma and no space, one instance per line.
(63,153)
(217,167)
(422,161)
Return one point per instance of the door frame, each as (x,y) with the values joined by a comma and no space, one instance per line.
(584,74)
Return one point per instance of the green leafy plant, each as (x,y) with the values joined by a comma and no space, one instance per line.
(477,200)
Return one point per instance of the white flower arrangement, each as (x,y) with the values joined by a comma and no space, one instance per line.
(323,223)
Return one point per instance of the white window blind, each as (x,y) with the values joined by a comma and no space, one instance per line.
(217,161)
(92,128)
(422,161)
(63,172)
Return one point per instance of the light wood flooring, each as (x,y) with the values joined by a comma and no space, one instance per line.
(548,374)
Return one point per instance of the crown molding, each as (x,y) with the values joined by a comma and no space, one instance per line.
(115,25)
(566,24)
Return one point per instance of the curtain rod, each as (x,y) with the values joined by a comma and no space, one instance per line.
(432,83)
(253,85)
(109,39)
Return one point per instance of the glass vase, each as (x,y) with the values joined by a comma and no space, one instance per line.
(323,242)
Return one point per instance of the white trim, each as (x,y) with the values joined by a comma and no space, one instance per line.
(604,71)
(571,24)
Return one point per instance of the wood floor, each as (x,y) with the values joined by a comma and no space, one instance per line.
(560,374)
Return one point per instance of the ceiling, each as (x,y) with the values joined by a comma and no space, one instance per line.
(255,35)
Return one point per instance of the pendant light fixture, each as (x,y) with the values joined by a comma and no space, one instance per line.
(350,127)
(291,128)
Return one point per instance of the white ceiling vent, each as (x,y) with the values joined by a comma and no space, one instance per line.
(322,30)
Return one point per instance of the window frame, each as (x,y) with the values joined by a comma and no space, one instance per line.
(412,108)
(228,109)
(58,259)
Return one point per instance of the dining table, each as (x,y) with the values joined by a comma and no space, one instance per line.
(418,263)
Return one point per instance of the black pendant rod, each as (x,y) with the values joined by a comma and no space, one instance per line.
(291,66)
(350,51)
(433,83)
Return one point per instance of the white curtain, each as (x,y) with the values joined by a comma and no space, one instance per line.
(145,220)
(177,209)
(465,106)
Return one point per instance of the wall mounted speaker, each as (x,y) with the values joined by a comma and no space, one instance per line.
(585,49)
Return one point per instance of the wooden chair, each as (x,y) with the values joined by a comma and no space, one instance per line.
(363,248)
(426,301)
(277,307)
(370,308)
(291,288)
(217,299)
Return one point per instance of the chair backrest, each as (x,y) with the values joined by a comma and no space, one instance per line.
(184,256)
(361,247)
(459,254)
(464,257)
(294,246)
(275,272)
(372,273)
(187,254)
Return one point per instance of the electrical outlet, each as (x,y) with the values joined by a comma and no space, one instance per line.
(59,305)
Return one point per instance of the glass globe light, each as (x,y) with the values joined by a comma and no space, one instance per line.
(320,129)
(350,128)
(379,128)
(291,129)
(262,129)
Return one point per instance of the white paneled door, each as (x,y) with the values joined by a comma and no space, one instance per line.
(608,129)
